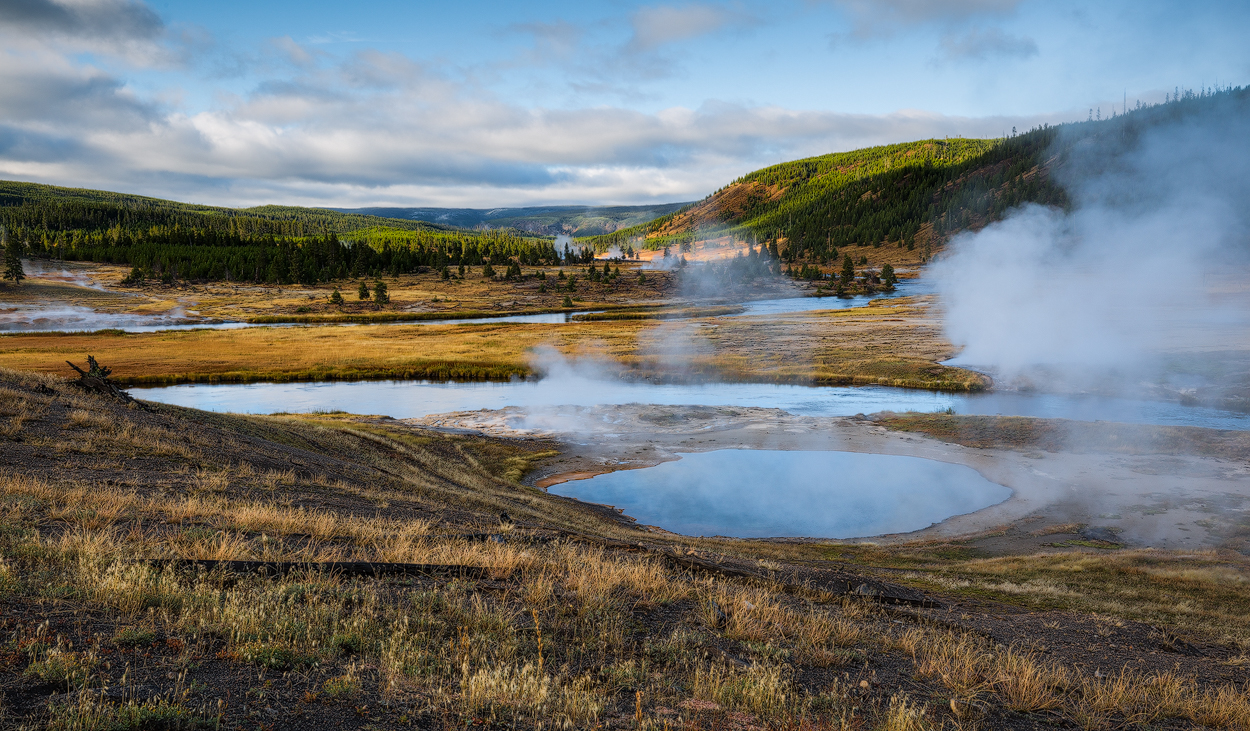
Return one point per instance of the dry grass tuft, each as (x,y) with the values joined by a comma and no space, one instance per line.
(512,693)
(765,690)
(905,715)
(961,663)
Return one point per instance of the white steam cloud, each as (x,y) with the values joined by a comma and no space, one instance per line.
(1135,275)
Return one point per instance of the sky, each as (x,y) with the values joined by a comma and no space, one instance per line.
(488,104)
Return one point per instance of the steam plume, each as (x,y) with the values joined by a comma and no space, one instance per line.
(1141,273)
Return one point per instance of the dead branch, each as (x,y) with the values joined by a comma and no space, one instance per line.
(96,380)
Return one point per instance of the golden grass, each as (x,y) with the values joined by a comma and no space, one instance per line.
(1027,683)
(960,663)
(896,346)
(411,294)
(471,650)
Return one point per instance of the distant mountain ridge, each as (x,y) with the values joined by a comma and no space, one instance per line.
(546,220)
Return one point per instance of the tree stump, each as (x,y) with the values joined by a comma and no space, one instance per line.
(96,380)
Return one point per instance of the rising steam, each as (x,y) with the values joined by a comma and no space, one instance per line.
(1145,269)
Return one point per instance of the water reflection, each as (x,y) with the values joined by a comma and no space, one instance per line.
(760,493)
(409,399)
(788,305)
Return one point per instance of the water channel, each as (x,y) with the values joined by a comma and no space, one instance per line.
(411,399)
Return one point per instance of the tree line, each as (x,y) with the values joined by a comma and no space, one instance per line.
(167,240)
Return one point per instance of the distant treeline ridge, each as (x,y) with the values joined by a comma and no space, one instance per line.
(273,244)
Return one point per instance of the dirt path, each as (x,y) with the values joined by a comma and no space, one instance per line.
(1061,499)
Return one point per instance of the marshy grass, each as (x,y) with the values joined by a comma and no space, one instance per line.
(874,345)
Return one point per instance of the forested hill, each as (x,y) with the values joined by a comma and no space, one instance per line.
(905,194)
(915,194)
(58,209)
(277,244)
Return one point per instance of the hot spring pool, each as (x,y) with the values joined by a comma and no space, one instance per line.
(749,493)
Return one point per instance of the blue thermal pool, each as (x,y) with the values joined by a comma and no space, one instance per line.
(749,493)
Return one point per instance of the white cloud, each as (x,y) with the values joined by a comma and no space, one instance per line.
(294,52)
(874,17)
(660,25)
(377,127)
(978,44)
(557,39)
(424,141)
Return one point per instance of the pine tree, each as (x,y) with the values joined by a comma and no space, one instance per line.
(336,297)
(12,257)
(363,291)
(380,296)
(848,269)
(887,275)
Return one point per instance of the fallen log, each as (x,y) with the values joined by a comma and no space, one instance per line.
(96,380)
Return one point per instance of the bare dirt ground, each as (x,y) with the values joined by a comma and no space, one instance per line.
(1158,497)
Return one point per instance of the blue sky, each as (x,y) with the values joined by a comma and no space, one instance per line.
(490,104)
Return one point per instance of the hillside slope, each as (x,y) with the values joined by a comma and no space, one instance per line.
(912,195)
(58,209)
(907,195)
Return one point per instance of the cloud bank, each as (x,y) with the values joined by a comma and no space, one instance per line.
(92,95)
